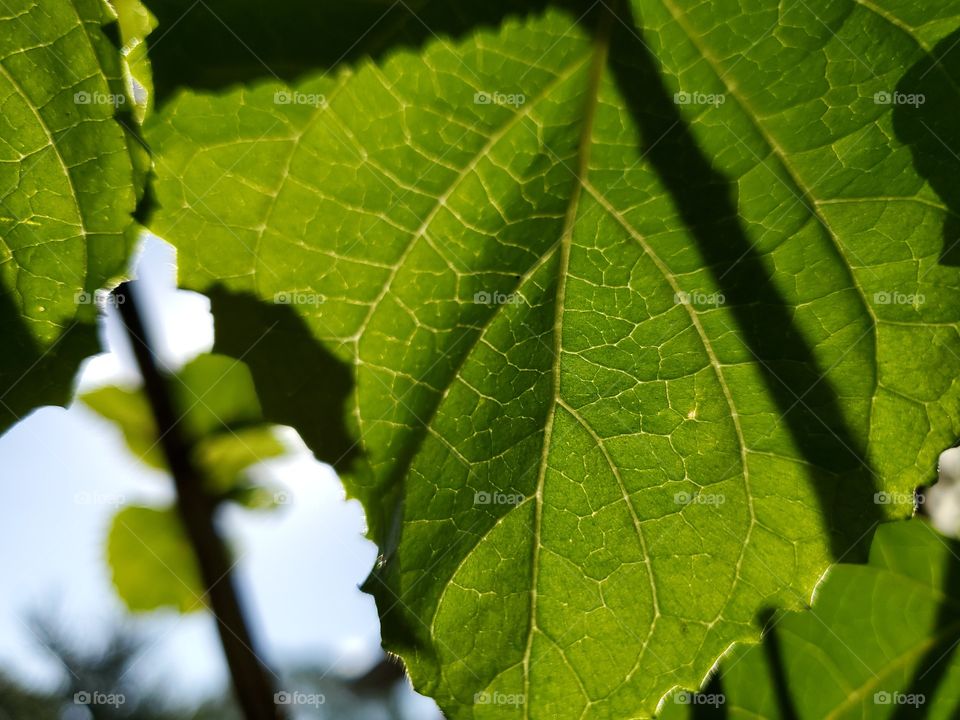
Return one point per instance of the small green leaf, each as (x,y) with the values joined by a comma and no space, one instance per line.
(130,411)
(221,417)
(136,23)
(152,562)
(225,457)
(879,640)
(215,393)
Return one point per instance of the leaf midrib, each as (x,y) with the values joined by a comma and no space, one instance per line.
(441,200)
(492,142)
(600,53)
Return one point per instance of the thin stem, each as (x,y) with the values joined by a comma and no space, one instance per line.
(252,686)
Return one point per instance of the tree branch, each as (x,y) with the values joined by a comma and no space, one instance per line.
(252,686)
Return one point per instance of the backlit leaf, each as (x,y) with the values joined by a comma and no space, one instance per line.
(643,310)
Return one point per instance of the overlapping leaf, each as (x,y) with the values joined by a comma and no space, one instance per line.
(136,23)
(151,561)
(640,323)
(221,417)
(150,557)
(67,191)
(879,642)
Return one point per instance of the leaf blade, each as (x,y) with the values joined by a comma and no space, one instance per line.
(67,191)
(431,260)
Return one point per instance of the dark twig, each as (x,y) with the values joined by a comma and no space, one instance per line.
(254,690)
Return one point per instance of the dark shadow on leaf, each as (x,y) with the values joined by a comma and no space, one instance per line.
(707,202)
(778,672)
(212,44)
(707,710)
(932,132)
(299,382)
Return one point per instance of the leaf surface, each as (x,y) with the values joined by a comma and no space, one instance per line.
(879,641)
(151,561)
(624,370)
(67,191)
(221,416)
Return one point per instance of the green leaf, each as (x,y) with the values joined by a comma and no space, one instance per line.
(136,23)
(152,561)
(879,640)
(221,416)
(225,458)
(215,393)
(130,411)
(67,191)
(624,370)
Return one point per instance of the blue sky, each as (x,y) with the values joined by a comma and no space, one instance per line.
(64,473)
